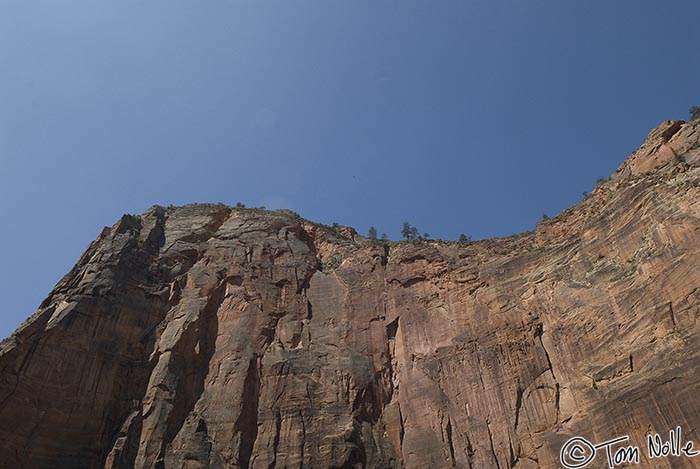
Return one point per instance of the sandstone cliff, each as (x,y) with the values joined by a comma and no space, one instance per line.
(208,336)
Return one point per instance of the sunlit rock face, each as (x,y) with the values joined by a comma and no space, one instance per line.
(210,336)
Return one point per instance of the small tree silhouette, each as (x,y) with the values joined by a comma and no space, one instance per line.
(372,232)
(464,238)
(409,232)
(694,113)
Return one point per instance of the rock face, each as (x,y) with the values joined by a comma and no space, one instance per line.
(208,336)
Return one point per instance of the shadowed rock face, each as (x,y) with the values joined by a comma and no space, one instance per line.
(207,336)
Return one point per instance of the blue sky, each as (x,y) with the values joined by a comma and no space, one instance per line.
(457,116)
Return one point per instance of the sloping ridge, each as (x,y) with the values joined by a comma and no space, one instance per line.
(210,336)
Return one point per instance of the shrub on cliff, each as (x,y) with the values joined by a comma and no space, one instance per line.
(694,113)
(409,232)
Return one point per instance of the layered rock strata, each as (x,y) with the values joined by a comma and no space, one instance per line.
(209,336)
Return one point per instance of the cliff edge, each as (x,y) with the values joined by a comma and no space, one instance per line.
(210,336)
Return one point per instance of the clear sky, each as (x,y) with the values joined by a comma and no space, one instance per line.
(458,116)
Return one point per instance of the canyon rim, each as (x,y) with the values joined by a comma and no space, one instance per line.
(211,336)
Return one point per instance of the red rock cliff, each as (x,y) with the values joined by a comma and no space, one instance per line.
(207,336)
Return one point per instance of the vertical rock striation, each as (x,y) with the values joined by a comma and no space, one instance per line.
(207,336)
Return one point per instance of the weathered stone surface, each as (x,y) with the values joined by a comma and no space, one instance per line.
(207,336)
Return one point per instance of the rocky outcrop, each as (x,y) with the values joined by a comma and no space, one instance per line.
(208,336)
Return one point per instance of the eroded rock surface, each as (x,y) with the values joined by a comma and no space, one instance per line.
(208,336)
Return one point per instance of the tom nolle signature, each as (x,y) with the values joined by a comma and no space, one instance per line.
(579,452)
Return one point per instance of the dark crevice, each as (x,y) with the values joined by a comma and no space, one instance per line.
(235,280)
(666,381)
(518,406)
(303,440)
(538,334)
(672,130)
(357,456)
(391,329)
(201,427)
(276,442)
(385,257)
(672,314)
(367,405)
(269,330)
(412,281)
(493,448)
(449,441)
(304,283)
(124,451)
(513,458)
(470,452)
(143,276)
(247,422)
(192,368)
(402,430)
